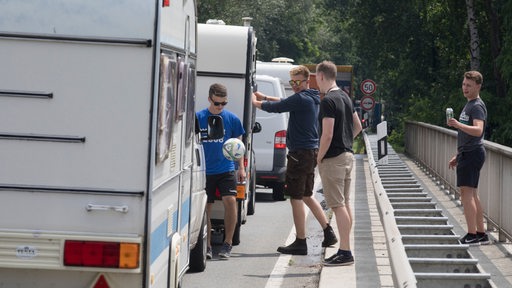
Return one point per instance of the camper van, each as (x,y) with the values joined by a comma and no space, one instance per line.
(270,144)
(277,69)
(231,61)
(101,165)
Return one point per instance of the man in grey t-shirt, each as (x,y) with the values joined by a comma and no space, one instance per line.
(470,157)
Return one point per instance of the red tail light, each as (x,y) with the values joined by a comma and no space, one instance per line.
(101,254)
(280,140)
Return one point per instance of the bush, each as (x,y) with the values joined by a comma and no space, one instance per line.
(396,139)
(358,145)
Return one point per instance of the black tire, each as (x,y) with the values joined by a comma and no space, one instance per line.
(251,207)
(198,254)
(278,192)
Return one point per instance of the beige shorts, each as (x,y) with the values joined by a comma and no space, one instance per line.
(336,175)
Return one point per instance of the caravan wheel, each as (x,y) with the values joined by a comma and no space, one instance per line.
(198,254)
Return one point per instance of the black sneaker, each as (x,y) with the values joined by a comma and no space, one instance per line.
(331,258)
(470,239)
(340,260)
(483,239)
(298,247)
(225,251)
(329,237)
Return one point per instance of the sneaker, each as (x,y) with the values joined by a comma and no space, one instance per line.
(209,253)
(483,239)
(339,260)
(470,239)
(329,237)
(225,251)
(298,247)
(331,258)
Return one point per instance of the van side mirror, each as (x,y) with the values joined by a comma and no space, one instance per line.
(256,128)
(215,128)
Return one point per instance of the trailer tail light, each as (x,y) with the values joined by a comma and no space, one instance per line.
(166,3)
(101,254)
(280,140)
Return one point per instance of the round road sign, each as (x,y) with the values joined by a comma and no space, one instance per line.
(367,102)
(368,87)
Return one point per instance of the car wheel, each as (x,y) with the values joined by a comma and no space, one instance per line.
(278,192)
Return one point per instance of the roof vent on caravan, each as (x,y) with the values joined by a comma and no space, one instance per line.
(215,21)
(282,60)
(247,21)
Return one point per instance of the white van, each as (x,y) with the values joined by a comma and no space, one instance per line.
(227,55)
(280,70)
(101,173)
(270,144)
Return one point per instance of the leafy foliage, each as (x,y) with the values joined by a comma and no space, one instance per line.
(415,50)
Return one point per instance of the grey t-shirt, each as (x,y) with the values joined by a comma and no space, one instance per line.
(474,109)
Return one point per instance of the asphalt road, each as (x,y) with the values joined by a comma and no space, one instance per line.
(255,262)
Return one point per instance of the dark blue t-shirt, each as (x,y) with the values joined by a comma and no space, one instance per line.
(216,163)
(302,132)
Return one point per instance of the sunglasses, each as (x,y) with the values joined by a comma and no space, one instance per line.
(219,103)
(296,82)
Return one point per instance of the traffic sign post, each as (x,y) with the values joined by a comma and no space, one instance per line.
(367,103)
(368,87)
(382,143)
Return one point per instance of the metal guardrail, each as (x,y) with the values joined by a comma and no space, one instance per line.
(433,146)
(403,274)
(424,251)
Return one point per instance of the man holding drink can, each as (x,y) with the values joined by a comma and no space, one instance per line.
(470,156)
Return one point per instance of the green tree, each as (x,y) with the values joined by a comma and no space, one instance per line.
(415,50)
(283,28)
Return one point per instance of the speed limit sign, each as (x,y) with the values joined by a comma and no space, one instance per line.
(368,87)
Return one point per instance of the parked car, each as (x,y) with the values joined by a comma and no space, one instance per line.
(280,70)
(270,144)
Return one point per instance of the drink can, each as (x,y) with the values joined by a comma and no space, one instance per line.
(449,113)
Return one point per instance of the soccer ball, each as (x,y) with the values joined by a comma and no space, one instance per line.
(233,149)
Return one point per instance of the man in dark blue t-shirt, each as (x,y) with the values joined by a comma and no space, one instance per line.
(302,143)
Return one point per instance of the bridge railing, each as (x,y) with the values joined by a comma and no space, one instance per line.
(433,146)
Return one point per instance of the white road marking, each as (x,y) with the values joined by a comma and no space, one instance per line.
(277,276)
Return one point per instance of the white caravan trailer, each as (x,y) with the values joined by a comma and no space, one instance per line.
(227,55)
(101,173)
